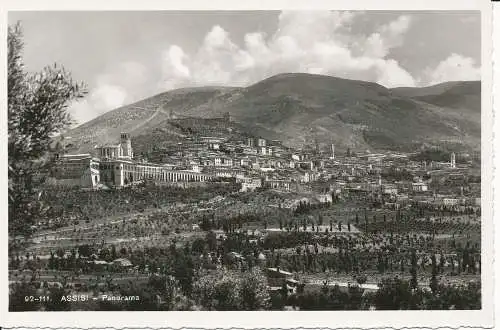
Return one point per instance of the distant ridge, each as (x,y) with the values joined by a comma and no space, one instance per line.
(298,108)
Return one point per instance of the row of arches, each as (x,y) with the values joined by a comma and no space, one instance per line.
(166,176)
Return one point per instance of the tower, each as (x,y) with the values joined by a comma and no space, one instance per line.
(333,151)
(126,144)
(452,160)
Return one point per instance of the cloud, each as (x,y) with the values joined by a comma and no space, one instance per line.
(100,100)
(387,37)
(454,68)
(119,86)
(174,71)
(318,42)
(315,42)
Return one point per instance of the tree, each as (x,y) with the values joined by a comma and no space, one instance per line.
(211,241)
(220,291)
(183,272)
(254,293)
(56,302)
(395,294)
(113,252)
(19,298)
(198,245)
(413,271)
(105,254)
(85,250)
(434,282)
(37,110)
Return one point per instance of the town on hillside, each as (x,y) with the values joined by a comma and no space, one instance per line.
(221,208)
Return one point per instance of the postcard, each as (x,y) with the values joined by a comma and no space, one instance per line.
(218,164)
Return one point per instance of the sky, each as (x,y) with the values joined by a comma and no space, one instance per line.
(127,56)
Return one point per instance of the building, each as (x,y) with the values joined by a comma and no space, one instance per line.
(307,176)
(452,160)
(278,279)
(122,264)
(265,151)
(224,172)
(77,170)
(450,201)
(390,189)
(249,184)
(419,186)
(284,185)
(324,198)
(116,168)
(214,146)
(123,150)
(119,173)
(223,161)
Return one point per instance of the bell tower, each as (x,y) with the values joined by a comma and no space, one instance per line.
(126,144)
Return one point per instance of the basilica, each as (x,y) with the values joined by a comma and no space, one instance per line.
(114,166)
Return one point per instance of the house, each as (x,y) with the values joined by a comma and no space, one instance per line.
(223,161)
(390,189)
(324,198)
(278,278)
(450,201)
(250,184)
(419,186)
(122,263)
(99,265)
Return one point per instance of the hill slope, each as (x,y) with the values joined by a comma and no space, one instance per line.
(298,108)
(464,95)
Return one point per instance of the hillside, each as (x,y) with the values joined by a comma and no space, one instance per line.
(424,91)
(299,108)
(464,95)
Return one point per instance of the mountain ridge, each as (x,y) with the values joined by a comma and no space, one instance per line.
(299,108)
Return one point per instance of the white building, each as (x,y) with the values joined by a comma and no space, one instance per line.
(123,150)
(390,189)
(80,170)
(333,152)
(419,186)
(261,142)
(250,184)
(223,161)
(450,201)
(324,198)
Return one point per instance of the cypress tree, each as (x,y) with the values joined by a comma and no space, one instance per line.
(413,271)
(434,283)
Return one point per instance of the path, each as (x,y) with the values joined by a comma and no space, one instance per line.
(156,112)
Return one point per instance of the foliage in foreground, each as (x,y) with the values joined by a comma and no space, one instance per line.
(232,290)
(393,294)
(37,109)
(228,290)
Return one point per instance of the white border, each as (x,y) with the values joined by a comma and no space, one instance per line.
(350,319)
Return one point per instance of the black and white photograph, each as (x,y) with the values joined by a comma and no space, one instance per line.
(245,160)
